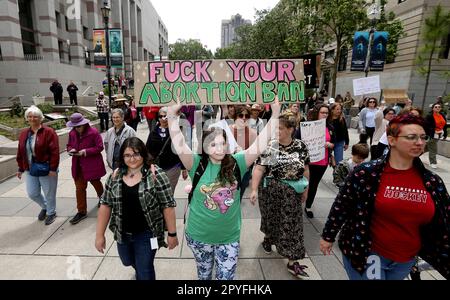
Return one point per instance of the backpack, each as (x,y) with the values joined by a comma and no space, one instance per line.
(202,168)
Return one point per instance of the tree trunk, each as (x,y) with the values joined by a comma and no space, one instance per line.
(336,65)
(427,80)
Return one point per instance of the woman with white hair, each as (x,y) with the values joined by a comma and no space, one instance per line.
(115,136)
(38,158)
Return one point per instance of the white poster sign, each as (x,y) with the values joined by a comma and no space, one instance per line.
(313,135)
(366,85)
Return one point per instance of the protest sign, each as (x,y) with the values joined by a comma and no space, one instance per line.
(313,135)
(223,82)
(366,85)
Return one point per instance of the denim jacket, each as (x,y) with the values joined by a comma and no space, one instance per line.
(352,210)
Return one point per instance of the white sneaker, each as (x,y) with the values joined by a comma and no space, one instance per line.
(433,166)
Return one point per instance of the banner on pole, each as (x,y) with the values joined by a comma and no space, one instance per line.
(378,51)
(115,47)
(359,53)
(160,83)
(99,40)
(366,85)
(313,135)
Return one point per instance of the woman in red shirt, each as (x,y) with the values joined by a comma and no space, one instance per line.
(436,127)
(391,210)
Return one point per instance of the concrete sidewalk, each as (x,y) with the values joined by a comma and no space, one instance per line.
(31,250)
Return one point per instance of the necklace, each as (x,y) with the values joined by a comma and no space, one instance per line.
(131,174)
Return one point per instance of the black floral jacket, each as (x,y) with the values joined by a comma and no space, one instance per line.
(351,213)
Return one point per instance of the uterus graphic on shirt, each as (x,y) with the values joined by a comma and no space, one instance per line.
(218,196)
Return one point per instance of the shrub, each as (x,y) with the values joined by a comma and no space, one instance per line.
(17,110)
(46,108)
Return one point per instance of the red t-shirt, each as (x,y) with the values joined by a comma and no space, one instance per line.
(402,205)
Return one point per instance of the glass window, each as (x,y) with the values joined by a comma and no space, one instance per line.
(58,21)
(343,59)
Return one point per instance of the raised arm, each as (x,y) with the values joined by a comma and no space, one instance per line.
(178,142)
(261,142)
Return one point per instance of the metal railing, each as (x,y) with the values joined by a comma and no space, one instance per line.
(33,57)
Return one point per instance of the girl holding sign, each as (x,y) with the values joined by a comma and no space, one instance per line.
(317,169)
(214,222)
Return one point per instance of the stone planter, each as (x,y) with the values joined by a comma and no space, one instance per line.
(38,100)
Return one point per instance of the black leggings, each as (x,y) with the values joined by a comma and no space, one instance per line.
(315,175)
(370,131)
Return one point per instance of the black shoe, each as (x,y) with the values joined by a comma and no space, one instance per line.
(78,217)
(415,273)
(297,270)
(50,219)
(309,213)
(267,246)
(42,214)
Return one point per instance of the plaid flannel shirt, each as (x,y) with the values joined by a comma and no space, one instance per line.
(102,105)
(155,194)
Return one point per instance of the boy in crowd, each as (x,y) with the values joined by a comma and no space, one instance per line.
(360,152)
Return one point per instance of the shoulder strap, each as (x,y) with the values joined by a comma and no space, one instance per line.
(237,173)
(198,174)
(247,138)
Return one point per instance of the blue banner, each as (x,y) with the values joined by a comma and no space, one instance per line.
(378,51)
(359,54)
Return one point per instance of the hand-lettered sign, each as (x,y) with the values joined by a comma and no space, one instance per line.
(313,135)
(161,83)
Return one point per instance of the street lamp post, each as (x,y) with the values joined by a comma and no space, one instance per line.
(160,52)
(105,12)
(373,13)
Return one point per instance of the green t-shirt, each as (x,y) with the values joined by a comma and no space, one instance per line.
(215,210)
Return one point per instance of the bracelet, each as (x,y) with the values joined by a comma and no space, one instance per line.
(174,234)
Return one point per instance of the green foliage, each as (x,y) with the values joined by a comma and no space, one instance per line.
(46,108)
(17,110)
(436,27)
(395,29)
(188,50)
(60,124)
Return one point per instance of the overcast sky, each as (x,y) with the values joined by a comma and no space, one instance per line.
(201,19)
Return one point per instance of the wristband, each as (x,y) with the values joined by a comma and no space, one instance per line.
(172,234)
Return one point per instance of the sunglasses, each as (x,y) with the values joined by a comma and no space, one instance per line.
(241,116)
(163,117)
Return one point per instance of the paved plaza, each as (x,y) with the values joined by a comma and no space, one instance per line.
(31,250)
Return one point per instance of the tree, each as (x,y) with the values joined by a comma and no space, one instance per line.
(435,29)
(188,50)
(337,21)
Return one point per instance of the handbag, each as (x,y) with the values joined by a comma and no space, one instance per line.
(38,169)
(298,185)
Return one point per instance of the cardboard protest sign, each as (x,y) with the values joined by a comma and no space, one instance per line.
(222,82)
(313,135)
(366,85)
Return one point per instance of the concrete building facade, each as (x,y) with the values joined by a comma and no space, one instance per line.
(228,32)
(44,40)
(402,73)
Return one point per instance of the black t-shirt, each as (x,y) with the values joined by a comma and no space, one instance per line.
(133,217)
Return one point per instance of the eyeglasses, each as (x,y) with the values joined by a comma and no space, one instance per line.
(163,117)
(415,137)
(130,156)
(436,106)
(241,116)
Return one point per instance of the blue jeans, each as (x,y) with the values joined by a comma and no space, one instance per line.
(379,268)
(245,181)
(224,256)
(135,251)
(339,151)
(42,190)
